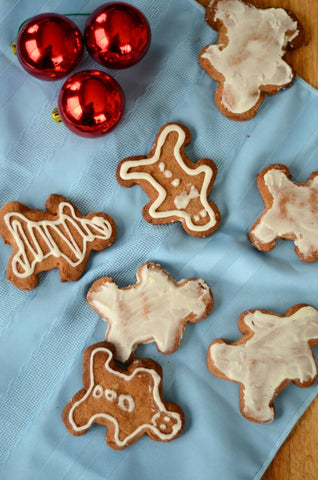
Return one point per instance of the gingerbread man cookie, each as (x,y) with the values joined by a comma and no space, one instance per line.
(128,402)
(155,309)
(248,59)
(58,238)
(273,351)
(291,212)
(177,188)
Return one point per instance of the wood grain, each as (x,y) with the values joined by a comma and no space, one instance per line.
(297,459)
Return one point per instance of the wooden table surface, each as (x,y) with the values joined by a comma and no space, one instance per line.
(297,459)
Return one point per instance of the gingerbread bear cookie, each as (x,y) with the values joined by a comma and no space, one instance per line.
(248,59)
(155,309)
(129,402)
(291,212)
(60,238)
(178,189)
(273,351)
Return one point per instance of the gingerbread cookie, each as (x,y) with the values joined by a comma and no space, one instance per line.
(177,188)
(273,351)
(155,309)
(291,212)
(248,59)
(128,402)
(58,238)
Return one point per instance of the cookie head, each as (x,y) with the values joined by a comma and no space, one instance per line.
(165,422)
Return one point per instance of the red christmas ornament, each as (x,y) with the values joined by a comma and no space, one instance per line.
(49,46)
(117,35)
(91,103)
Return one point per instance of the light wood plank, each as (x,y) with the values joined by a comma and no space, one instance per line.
(297,459)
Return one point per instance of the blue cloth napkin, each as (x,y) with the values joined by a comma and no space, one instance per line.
(44,332)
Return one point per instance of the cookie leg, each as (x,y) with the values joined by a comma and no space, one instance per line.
(256,405)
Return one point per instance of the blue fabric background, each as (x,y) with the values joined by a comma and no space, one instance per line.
(43,332)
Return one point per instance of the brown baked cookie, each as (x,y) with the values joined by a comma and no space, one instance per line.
(59,238)
(155,309)
(177,188)
(273,351)
(291,212)
(128,402)
(248,59)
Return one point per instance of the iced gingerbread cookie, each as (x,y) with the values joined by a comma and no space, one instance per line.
(155,309)
(128,402)
(291,212)
(273,351)
(178,189)
(248,59)
(59,238)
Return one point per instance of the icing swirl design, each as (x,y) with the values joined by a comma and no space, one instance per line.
(60,237)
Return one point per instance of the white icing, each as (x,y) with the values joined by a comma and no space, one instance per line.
(278,350)
(257,39)
(152,310)
(294,211)
(27,232)
(158,404)
(126,403)
(110,394)
(175,182)
(203,213)
(125,174)
(98,391)
(162,167)
(182,201)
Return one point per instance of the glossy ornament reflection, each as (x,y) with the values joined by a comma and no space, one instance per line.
(91,103)
(49,46)
(117,35)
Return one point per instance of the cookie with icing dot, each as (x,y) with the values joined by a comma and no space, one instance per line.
(248,59)
(59,237)
(273,351)
(127,401)
(291,212)
(154,309)
(178,189)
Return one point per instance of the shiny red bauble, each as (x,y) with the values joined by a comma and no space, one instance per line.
(91,103)
(117,35)
(49,46)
